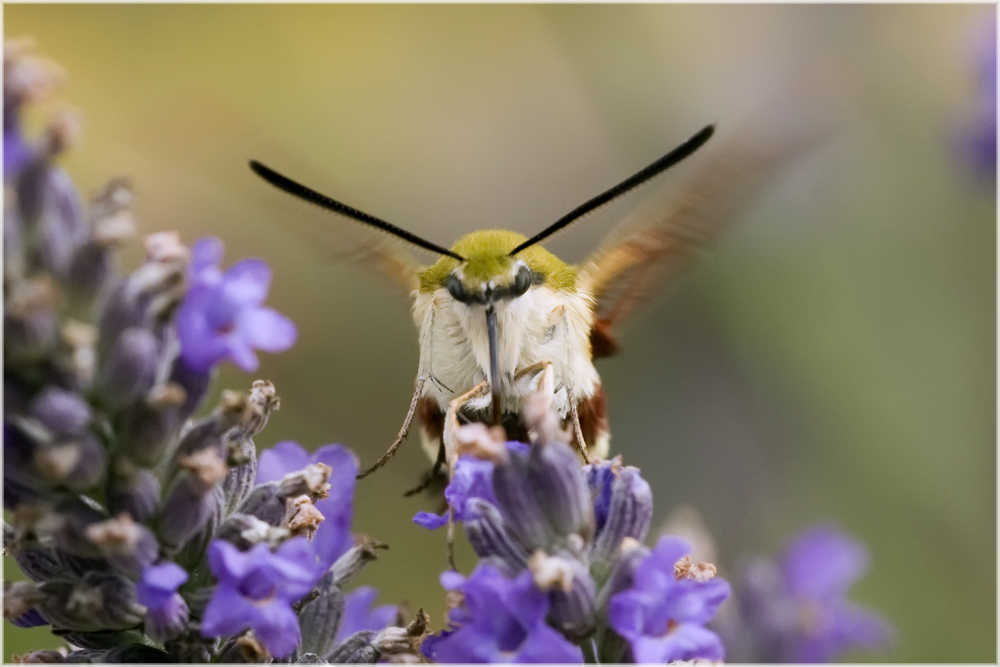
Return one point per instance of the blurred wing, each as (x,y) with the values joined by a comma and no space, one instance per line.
(645,257)
(340,237)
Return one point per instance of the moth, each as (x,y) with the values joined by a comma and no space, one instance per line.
(500,318)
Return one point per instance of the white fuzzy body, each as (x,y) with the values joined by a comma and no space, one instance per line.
(542,325)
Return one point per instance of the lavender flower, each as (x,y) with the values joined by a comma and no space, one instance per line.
(222,316)
(166,610)
(473,478)
(663,615)
(333,538)
(256,590)
(358,614)
(975,139)
(796,610)
(499,620)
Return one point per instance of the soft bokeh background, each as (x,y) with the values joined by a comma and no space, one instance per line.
(834,360)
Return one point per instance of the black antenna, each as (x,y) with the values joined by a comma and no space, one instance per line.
(664,163)
(302,192)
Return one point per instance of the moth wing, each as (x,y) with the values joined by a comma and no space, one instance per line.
(337,236)
(648,253)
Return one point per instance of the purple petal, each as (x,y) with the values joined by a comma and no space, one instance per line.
(285,457)
(451,580)
(227,613)
(429,521)
(246,282)
(343,469)
(241,354)
(158,584)
(227,563)
(545,645)
(684,642)
(278,628)
(697,601)
(823,562)
(359,616)
(265,329)
(206,255)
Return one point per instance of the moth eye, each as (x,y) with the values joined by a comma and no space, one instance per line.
(522,281)
(455,288)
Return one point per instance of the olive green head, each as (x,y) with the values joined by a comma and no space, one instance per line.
(490,272)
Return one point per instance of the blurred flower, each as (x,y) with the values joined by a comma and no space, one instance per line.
(499,620)
(222,316)
(333,538)
(358,614)
(256,590)
(976,137)
(663,614)
(796,610)
(166,610)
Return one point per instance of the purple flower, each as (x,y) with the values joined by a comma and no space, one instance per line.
(976,138)
(16,152)
(358,614)
(500,620)
(333,537)
(166,611)
(473,478)
(817,570)
(663,617)
(256,590)
(222,316)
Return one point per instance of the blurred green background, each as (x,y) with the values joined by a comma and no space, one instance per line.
(833,360)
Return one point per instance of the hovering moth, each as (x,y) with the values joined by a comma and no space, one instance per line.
(500,318)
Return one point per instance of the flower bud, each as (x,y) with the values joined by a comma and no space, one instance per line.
(622,576)
(245,531)
(265,504)
(127,545)
(490,537)
(572,592)
(101,602)
(20,598)
(518,506)
(51,206)
(21,482)
(242,473)
(150,424)
(77,464)
(629,513)
(29,319)
(77,359)
(61,412)
(194,383)
(66,528)
(133,490)
(166,610)
(560,488)
(319,619)
(350,564)
(111,223)
(130,368)
(356,649)
(190,502)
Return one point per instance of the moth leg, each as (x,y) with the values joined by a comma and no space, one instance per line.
(577,431)
(402,431)
(451,421)
(436,472)
(538,378)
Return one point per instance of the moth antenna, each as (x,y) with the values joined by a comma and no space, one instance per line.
(308,194)
(637,179)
